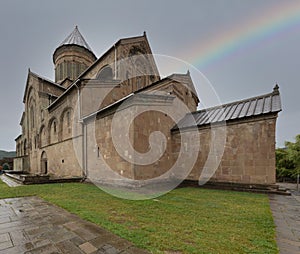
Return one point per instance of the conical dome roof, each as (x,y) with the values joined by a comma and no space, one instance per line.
(76,38)
(72,56)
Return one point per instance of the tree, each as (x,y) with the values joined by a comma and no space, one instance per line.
(5,166)
(288,159)
(294,154)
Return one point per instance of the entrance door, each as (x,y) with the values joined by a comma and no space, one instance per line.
(44,164)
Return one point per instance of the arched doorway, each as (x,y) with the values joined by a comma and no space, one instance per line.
(44,163)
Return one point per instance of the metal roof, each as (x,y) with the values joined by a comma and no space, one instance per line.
(260,105)
(76,38)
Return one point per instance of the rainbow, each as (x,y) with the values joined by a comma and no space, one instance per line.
(275,22)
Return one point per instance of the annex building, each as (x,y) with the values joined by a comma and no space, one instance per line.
(114,116)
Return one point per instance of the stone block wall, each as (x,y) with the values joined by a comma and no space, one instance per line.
(144,125)
(53,137)
(63,159)
(132,125)
(103,160)
(248,156)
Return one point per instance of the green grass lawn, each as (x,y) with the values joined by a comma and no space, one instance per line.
(186,220)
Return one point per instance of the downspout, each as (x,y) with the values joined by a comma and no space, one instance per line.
(82,131)
(115,61)
(85,154)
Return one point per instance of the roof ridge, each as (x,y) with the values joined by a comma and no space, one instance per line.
(106,52)
(169,77)
(130,38)
(46,79)
(185,75)
(237,102)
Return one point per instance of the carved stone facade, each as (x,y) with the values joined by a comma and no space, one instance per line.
(74,127)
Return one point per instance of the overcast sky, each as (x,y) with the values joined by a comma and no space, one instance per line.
(255,58)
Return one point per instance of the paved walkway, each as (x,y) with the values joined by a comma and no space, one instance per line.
(32,225)
(9,181)
(286,214)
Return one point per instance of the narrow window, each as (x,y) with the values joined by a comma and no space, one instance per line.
(25,147)
(68,69)
(68,118)
(32,116)
(139,83)
(60,71)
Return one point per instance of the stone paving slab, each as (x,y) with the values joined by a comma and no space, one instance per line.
(286,214)
(31,225)
(8,181)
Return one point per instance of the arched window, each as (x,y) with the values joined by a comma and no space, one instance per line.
(68,119)
(42,136)
(53,133)
(65,124)
(105,73)
(32,116)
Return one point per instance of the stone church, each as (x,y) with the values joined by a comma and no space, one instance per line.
(114,117)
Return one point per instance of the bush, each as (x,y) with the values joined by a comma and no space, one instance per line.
(288,160)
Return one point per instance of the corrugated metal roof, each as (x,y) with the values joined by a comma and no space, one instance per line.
(76,38)
(260,105)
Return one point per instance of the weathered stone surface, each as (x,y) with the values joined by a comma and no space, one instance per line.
(248,153)
(87,247)
(53,231)
(286,214)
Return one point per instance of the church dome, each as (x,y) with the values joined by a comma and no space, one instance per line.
(76,38)
(72,57)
